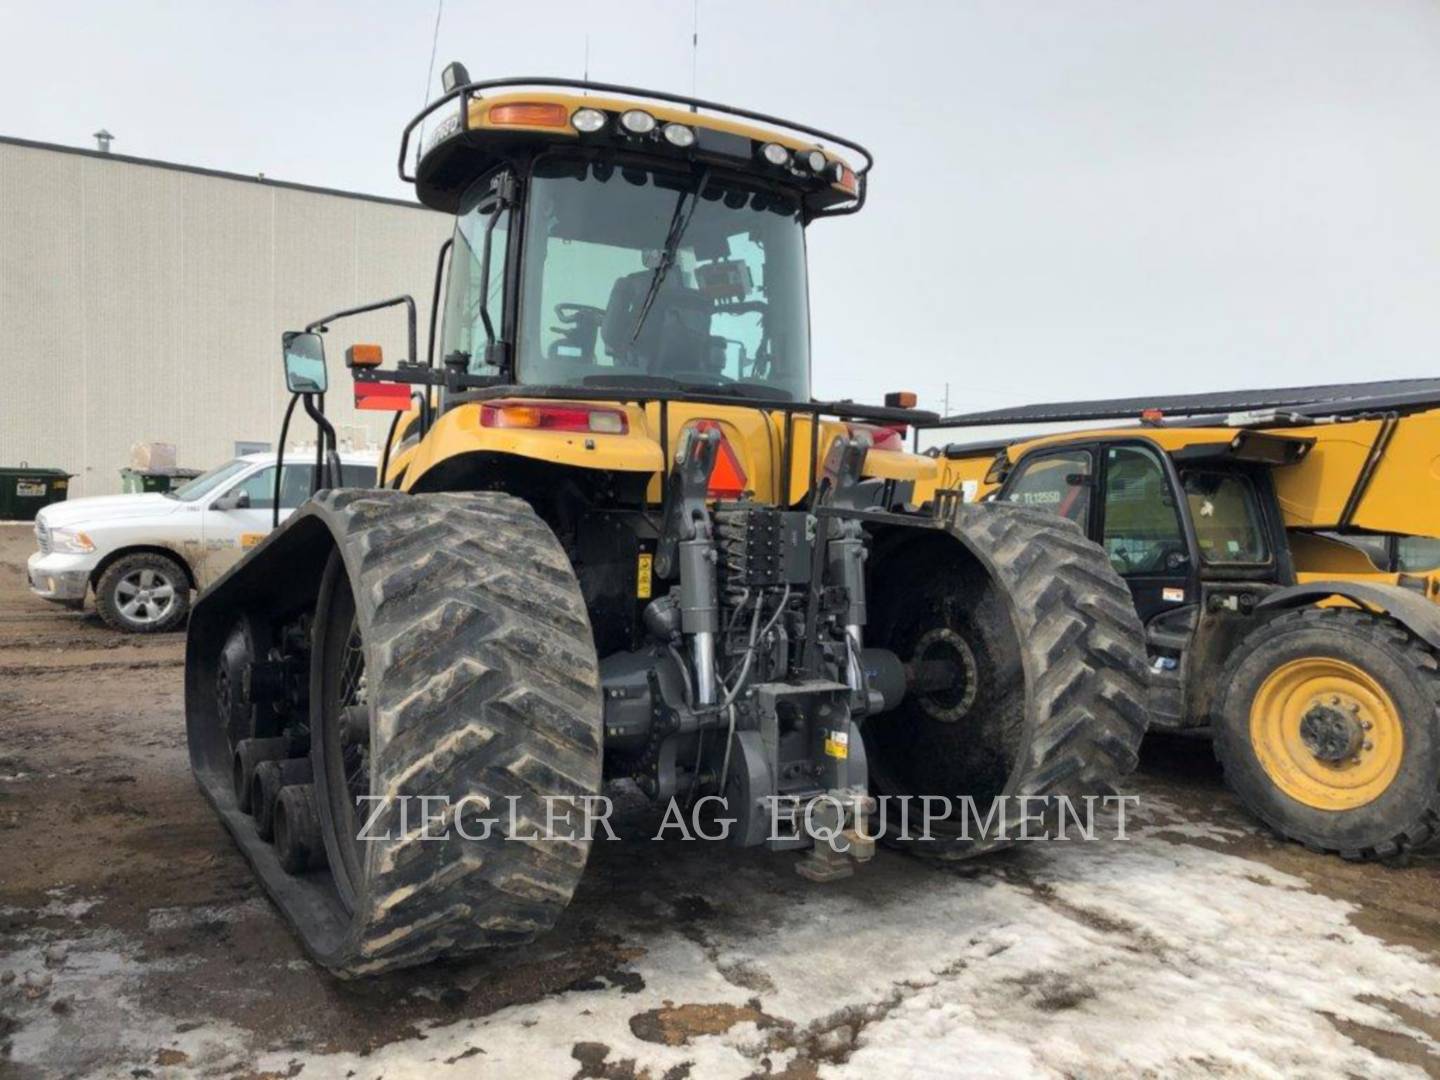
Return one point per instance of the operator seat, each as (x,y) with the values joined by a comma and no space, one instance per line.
(676,334)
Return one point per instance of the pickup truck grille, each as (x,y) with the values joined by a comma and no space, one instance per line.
(42,537)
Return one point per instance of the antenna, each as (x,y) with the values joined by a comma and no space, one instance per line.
(429,75)
(586,76)
(694,48)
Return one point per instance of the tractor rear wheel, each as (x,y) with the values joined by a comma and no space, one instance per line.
(1042,685)
(1328,729)
(452,662)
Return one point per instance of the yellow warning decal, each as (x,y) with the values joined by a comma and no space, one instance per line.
(249,540)
(643,566)
(837,744)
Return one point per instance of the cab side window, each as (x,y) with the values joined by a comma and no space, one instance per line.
(1142,532)
(1059,482)
(1229,527)
(468,299)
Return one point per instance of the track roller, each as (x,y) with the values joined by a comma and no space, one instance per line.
(270,777)
(297,830)
(248,754)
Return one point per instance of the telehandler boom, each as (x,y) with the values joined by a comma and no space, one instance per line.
(617,538)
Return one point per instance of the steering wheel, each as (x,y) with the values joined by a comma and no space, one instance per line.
(578,313)
(713,378)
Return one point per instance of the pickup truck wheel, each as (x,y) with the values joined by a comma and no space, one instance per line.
(144,593)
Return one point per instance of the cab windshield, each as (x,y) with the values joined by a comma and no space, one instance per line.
(604,304)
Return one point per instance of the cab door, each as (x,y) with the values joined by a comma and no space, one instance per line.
(1142,529)
(234,521)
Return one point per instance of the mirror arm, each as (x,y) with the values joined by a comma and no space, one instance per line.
(326,456)
(280,460)
(323,324)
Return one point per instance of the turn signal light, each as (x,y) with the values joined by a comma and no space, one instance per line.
(364,356)
(543,416)
(529,114)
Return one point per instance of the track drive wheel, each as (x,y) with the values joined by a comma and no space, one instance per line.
(452,657)
(1328,729)
(1046,694)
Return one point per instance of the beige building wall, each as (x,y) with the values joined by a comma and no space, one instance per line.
(144,303)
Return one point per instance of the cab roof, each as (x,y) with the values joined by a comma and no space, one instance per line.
(492,122)
(1186,443)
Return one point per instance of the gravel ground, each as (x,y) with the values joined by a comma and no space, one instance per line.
(134,943)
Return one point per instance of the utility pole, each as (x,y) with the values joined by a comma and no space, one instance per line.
(946,411)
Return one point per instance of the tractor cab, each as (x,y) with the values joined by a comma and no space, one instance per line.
(625,265)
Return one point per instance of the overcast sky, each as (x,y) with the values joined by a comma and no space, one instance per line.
(1072,199)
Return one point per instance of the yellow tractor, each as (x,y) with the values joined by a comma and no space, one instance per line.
(1281,548)
(617,539)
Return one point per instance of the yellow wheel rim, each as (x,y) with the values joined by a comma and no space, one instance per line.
(1326,733)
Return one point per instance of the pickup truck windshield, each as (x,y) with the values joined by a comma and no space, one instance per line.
(207,482)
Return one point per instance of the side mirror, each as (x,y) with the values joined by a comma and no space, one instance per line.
(233,500)
(304,362)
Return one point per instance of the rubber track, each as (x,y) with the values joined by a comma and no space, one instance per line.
(1083,657)
(483,683)
(1422,831)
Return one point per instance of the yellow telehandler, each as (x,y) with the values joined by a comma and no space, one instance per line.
(616,538)
(1281,548)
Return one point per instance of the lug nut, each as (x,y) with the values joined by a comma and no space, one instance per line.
(1368,745)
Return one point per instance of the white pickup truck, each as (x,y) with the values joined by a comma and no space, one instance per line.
(144,554)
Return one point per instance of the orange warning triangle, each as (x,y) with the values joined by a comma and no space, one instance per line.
(727,477)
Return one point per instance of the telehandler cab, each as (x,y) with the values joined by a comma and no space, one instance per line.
(1281,548)
(616,538)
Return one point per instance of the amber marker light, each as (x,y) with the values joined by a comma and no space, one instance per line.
(529,114)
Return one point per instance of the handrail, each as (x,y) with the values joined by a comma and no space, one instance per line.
(632,91)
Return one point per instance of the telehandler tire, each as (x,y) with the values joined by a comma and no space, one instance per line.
(1328,730)
(452,657)
(1052,700)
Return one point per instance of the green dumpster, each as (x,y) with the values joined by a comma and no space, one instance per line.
(136,481)
(24,490)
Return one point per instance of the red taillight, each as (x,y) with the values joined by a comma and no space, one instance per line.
(727,477)
(565,416)
(881,437)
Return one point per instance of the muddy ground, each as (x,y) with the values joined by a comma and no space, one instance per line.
(133,941)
